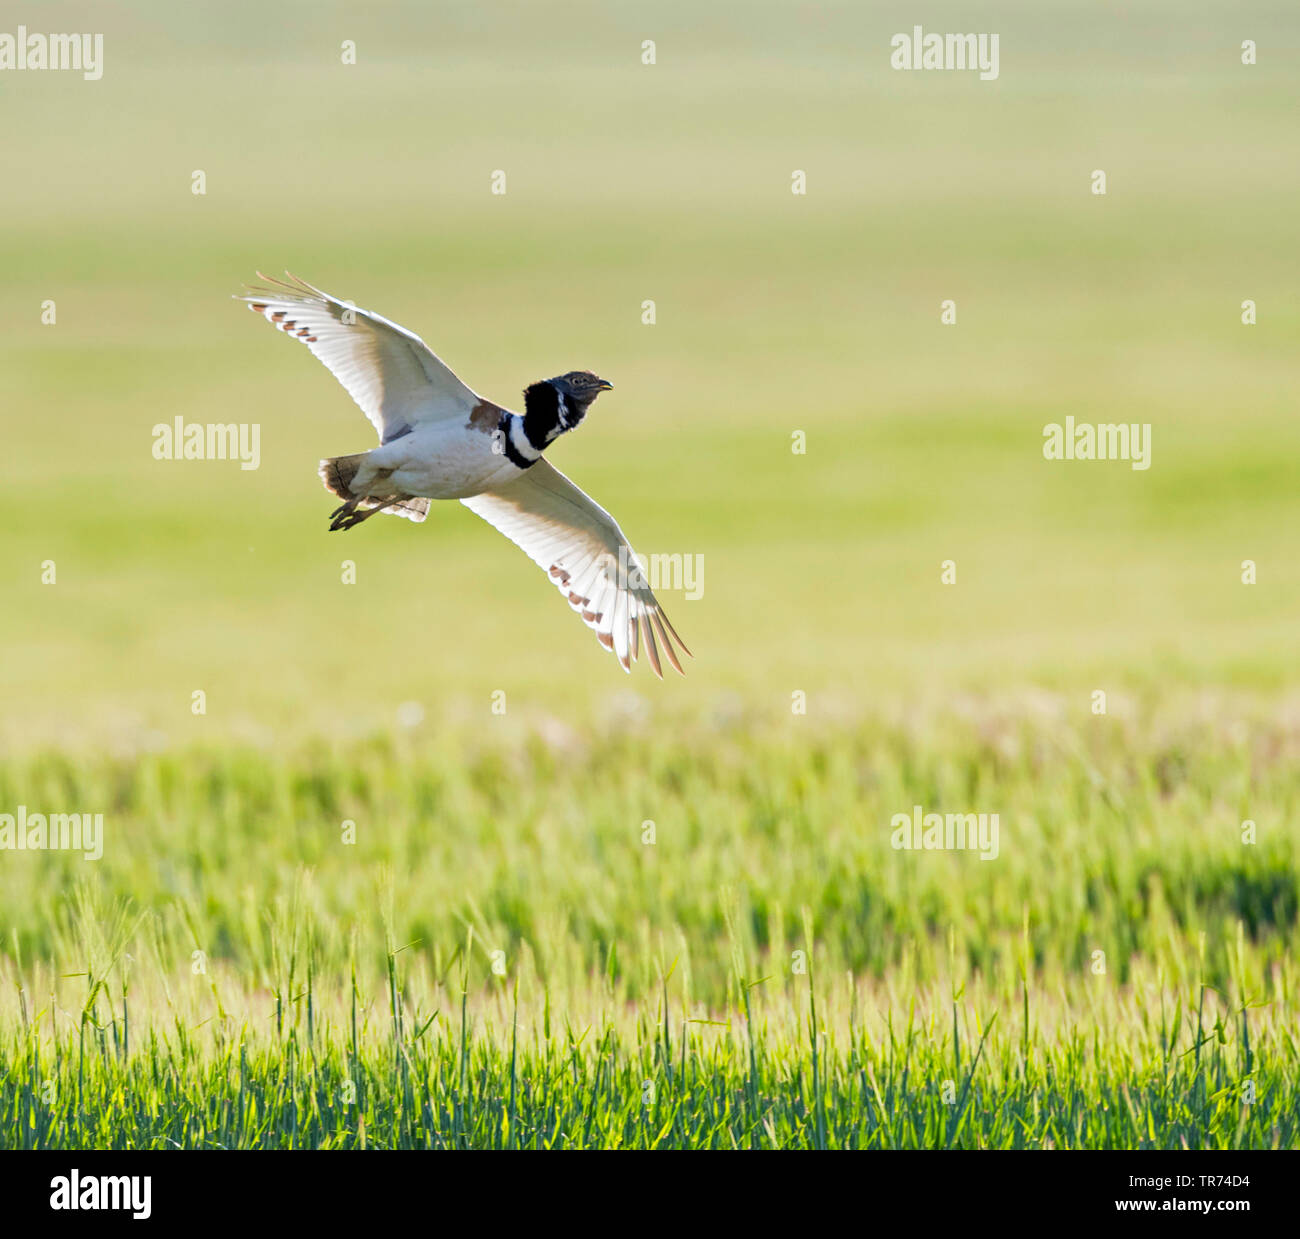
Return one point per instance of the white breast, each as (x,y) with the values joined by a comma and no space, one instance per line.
(443,461)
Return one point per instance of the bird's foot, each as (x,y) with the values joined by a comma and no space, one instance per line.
(350,515)
(346,515)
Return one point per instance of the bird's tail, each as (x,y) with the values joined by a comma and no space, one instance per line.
(337,473)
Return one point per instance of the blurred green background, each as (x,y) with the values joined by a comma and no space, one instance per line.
(331,705)
(776,313)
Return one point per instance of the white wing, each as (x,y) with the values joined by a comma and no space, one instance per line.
(578,544)
(393,375)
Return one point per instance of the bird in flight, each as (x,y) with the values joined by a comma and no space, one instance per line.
(439,440)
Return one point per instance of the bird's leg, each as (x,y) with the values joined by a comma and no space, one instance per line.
(347,517)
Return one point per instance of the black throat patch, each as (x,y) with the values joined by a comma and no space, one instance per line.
(546,416)
(541,413)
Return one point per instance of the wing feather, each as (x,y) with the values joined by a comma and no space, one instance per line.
(395,378)
(650,648)
(585,555)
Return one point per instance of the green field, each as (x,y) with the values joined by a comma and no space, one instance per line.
(501,958)
(493,954)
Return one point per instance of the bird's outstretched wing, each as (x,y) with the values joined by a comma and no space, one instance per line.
(583,551)
(393,375)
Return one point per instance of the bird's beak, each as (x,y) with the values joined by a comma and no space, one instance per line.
(605,386)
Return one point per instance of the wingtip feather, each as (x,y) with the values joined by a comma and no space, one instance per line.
(663,616)
(668,645)
(650,648)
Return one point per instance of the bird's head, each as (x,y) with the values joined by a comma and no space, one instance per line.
(579,388)
(557,405)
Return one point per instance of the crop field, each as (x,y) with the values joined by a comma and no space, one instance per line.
(393,854)
(501,959)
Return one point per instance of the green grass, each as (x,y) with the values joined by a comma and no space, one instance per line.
(501,959)
(484,1074)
